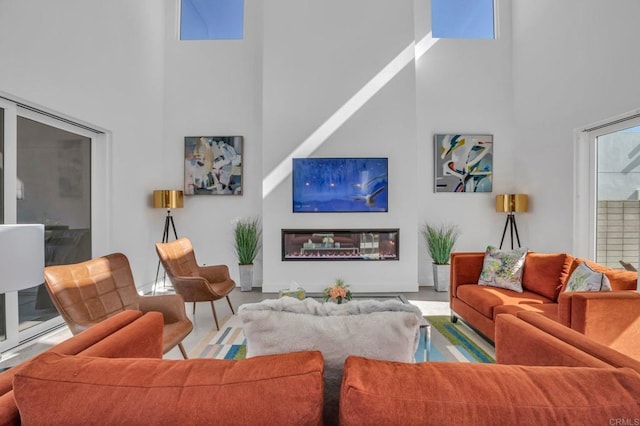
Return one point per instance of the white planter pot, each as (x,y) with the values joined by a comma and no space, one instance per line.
(441,275)
(246,277)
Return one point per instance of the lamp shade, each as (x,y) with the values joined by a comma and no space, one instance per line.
(21,256)
(168,199)
(512,203)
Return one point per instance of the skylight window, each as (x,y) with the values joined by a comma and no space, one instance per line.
(211,19)
(462,19)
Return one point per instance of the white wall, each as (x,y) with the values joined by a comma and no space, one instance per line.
(116,65)
(213,88)
(465,86)
(100,63)
(574,65)
(317,55)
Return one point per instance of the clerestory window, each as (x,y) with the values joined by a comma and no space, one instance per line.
(472,19)
(211,19)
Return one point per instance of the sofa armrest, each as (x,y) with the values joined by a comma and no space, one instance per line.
(125,335)
(610,318)
(465,269)
(530,338)
(139,339)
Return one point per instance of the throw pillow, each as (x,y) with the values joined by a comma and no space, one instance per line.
(503,269)
(586,279)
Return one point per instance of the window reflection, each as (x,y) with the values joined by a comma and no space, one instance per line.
(55,176)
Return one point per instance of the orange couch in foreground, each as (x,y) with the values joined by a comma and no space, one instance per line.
(287,389)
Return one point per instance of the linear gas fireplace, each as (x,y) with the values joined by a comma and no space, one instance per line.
(340,244)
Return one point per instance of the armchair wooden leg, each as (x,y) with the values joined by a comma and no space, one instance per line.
(215,317)
(184,353)
(194,308)
(229,301)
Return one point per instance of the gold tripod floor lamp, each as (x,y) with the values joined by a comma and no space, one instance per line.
(167,199)
(511,204)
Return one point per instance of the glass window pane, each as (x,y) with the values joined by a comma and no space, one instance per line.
(3,323)
(211,19)
(618,192)
(54,188)
(462,19)
(1,165)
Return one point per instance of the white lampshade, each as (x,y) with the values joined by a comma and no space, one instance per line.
(21,256)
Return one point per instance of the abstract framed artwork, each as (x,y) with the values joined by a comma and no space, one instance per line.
(213,165)
(463,163)
(340,185)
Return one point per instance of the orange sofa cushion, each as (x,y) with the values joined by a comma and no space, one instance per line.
(383,392)
(484,299)
(58,389)
(545,273)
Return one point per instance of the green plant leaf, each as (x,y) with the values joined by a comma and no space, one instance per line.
(440,240)
(247,235)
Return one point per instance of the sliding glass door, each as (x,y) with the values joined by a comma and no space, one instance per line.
(53,188)
(47,177)
(607,193)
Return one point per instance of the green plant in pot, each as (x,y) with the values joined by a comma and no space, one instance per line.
(440,240)
(247,233)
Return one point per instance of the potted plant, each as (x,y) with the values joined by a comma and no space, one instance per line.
(440,241)
(247,234)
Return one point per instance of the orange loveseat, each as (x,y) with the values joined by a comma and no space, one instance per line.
(543,280)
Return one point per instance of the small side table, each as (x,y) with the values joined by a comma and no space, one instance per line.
(299,293)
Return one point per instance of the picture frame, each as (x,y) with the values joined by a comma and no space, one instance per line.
(213,165)
(463,162)
(340,185)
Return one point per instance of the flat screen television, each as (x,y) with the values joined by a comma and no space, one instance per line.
(340,185)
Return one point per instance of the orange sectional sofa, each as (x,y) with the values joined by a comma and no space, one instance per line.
(112,373)
(130,334)
(543,280)
(547,374)
(58,387)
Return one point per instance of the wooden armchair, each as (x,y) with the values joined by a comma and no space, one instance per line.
(88,292)
(195,283)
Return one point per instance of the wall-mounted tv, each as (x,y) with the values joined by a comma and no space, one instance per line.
(340,185)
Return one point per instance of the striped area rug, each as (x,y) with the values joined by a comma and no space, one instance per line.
(457,342)
(449,342)
(228,343)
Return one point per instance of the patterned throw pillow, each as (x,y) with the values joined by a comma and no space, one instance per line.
(586,279)
(503,268)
